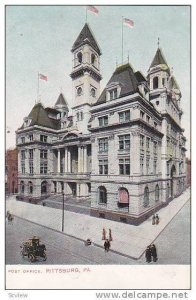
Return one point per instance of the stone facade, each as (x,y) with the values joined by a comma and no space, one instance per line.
(124,148)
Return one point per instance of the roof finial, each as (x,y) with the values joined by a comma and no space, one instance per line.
(158,42)
(128,57)
(116,62)
(172,71)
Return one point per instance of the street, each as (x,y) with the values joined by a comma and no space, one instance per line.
(62,249)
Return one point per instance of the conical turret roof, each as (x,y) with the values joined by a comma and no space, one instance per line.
(61,101)
(159,59)
(86,37)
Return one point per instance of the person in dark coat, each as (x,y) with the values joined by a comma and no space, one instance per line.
(107,245)
(153,220)
(154,252)
(157,219)
(148,254)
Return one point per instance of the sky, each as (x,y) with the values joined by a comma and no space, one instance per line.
(39,39)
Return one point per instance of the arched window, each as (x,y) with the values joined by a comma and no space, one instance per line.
(30,187)
(44,187)
(93,59)
(79,91)
(123,200)
(146,197)
(157,193)
(93,92)
(102,192)
(22,187)
(79,55)
(155,82)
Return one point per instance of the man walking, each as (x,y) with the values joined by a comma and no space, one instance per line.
(154,252)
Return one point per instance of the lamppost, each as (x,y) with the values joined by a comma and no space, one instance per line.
(63,212)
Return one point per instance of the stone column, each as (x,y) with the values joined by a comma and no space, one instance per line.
(58,161)
(68,161)
(80,159)
(65,162)
(85,159)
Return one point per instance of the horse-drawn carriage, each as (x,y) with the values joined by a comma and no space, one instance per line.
(33,249)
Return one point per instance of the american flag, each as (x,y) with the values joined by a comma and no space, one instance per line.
(93,9)
(128,22)
(43,77)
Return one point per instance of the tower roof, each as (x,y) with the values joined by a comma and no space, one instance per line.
(86,37)
(126,78)
(159,59)
(61,102)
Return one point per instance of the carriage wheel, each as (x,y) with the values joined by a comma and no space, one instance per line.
(31,257)
(44,256)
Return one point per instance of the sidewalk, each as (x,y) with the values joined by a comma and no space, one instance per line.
(128,240)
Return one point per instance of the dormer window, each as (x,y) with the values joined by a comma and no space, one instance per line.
(79,56)
(113,94)
(27,122)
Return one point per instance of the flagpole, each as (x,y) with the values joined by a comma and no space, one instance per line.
(37,86)
(86,14)
(122,39)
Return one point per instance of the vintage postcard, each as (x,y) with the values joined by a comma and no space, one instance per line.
(98,165)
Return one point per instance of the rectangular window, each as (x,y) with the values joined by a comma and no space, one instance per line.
(23,167)
(103,145)
(147,119)
(43,168)
(43,138)
(113,94)
(23,156)
(141,141)
(124,142)
(155,166)
(155,147)
(147,143)
(147,165)
(31,170)
(141,114)
(44,154)
(124,166)
(103,166)
(30,153)
(31,137)
(103,121)
(22,140)
(124,116)
(141,165)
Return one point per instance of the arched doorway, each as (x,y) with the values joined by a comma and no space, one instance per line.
(123,198)
(146,197)
(172,174)
(30,187)
(44,187)
(22,187)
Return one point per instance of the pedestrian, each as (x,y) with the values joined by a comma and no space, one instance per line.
(157,219)
(110,235)
(148,254)
(154,252)
(153,220)
(103,234)
(107,245)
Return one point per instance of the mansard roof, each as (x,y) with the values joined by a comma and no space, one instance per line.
(39,116)
(125,76)
(159,59)
(61,101)
(86,37)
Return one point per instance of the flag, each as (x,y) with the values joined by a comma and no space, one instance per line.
(93,9)
(128,22)
(43,77)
